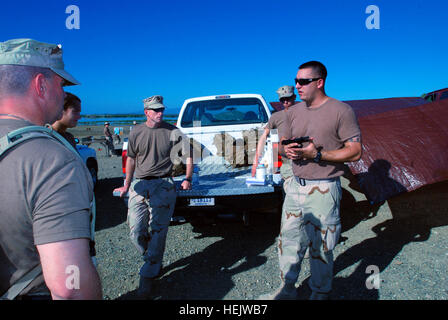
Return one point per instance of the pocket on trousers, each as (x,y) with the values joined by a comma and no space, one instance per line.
(324,199)
(330,236)
(290,185)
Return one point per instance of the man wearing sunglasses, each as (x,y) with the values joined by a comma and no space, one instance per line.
(287,98)
(310,216)
(152,194)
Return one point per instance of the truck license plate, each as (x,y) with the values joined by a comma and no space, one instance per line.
(202,202)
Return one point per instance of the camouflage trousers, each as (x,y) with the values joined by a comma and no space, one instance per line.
(150,208)
(286,169)
(310,218)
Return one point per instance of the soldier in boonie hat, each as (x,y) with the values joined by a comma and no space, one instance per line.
(32,53)
(285,92)
(154,102)
(152,152)
(31,95)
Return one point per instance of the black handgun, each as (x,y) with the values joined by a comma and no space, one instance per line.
(296,140)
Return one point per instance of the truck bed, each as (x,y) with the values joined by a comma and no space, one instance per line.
(221,186)
(218,178)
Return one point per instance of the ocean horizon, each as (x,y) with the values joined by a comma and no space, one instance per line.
(123,118)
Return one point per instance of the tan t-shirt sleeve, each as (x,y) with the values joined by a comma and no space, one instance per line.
(348,126)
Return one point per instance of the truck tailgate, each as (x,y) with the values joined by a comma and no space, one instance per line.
(218,178)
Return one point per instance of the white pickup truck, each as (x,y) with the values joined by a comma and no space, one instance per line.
(220,182)
(223,177)
(90,160)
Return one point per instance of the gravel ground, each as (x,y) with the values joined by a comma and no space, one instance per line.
(221,259)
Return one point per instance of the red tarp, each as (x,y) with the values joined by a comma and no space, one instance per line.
(403,149)
(277,106)
(405,145)
(364,108)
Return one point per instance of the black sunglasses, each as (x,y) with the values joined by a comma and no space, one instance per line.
(158,110)
(283,100)
(304,82)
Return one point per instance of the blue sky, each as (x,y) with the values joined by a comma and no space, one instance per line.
(128,50)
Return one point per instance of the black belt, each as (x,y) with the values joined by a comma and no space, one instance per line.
(303,182)
(155,177)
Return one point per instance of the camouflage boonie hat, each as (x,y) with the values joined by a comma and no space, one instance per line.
(285,92)
(154,102)
(29,52)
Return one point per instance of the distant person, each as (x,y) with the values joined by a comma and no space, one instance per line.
(287,98)
(152,194)
(109,139)
(70,117)
(310,216)
(46,189)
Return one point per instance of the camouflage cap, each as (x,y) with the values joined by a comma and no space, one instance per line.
(29,52)
(154,102)
(285,92)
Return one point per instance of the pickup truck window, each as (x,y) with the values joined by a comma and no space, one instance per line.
(224,112)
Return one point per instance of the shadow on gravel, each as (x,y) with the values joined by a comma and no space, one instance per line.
(208,274)
(110,211)
(414,215)
(352,212)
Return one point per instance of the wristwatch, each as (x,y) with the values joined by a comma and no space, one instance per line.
(318,157)
(188,179)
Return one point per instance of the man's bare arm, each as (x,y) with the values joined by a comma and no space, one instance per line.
(61,262)
(259,151)
(351,151)
(188,174)
(130,168)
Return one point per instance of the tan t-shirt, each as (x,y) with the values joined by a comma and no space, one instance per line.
(330,124)
(276,120)
(152,149)
(45,196)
